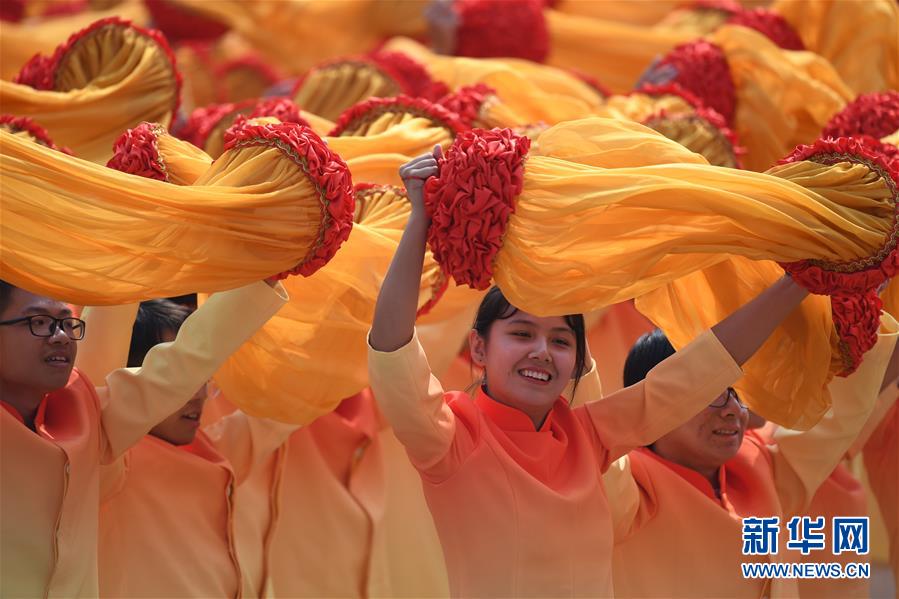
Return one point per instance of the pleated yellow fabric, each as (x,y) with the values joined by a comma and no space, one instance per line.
(311,355)
(584,235)
(860,38)
(90,235)
(329,89)
(21,41)
(111,76)
(533,92)
(783,98)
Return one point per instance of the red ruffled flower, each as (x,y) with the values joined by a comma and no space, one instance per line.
(470,202)
(283,109)
(12,11)
(22,123)
(499,28)
(851,285)
(857,320)
(182,24)
(327,172)
(467,102)
(203,120)
(771,25)
(370,109)
(875,114)
(36,73)
(702,70)
(671,89)
(412,77)
(41,72)
(136,152)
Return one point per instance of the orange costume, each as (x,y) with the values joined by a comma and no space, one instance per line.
(48,523)
(659,504)
(510,503)
(881,454)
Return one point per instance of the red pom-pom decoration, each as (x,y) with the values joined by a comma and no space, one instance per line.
(471,199)
(136,152)
(327,172)
(771,25)
(467,102)
(203,120)
(703,71)
(502,28)
(412,77)
(875,114)
(38,133)
(857,320)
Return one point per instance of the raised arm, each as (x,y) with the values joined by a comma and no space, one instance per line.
(683,384)
(397,304)
(136,399)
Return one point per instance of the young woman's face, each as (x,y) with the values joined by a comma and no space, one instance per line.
(528,361)
(709,439)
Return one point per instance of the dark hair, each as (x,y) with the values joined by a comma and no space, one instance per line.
(154,319)
(495,307)
(650,349)
(6,290)
(189,301)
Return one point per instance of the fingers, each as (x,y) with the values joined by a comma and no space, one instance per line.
(425,161)
(438,152)
(422,172)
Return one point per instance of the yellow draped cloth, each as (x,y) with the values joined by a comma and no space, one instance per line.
(533,93)
(90,235)
(112,76)
(21,41)
(783,98)
(613,52)
(859,37)
(618,211)
(312,354)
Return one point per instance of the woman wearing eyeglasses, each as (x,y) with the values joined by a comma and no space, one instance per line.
(678,504)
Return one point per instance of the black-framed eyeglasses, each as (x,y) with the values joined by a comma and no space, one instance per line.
(725,397)
(44,325)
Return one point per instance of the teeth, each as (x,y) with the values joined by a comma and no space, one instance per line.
(533,374)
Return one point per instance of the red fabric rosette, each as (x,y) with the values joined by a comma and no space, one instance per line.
(203,121)
(283,109)
(38,133)
(875,114)
(183,25)
(471,199)
(852,285)
(770,24)
(412,77)
(358,115)
(467,101)
(703,71)
(502,28)
(327,173)
(136,152)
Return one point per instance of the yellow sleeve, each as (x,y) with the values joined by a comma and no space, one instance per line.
(411,398)
(136,399)
(247,441)
(107,340)
(803,460)
(672,392)
(589,388)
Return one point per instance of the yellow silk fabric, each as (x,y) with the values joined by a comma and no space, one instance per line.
(615,53)
(860,38)
(87,234)
(783,98)
(312,354)
(111,81)
(637,212)
(21,41)
(533,92)
(629,228)
(184,162)
(295,35)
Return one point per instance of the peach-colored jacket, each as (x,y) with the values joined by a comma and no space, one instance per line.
(881,455)
(49,480)
(523,512)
